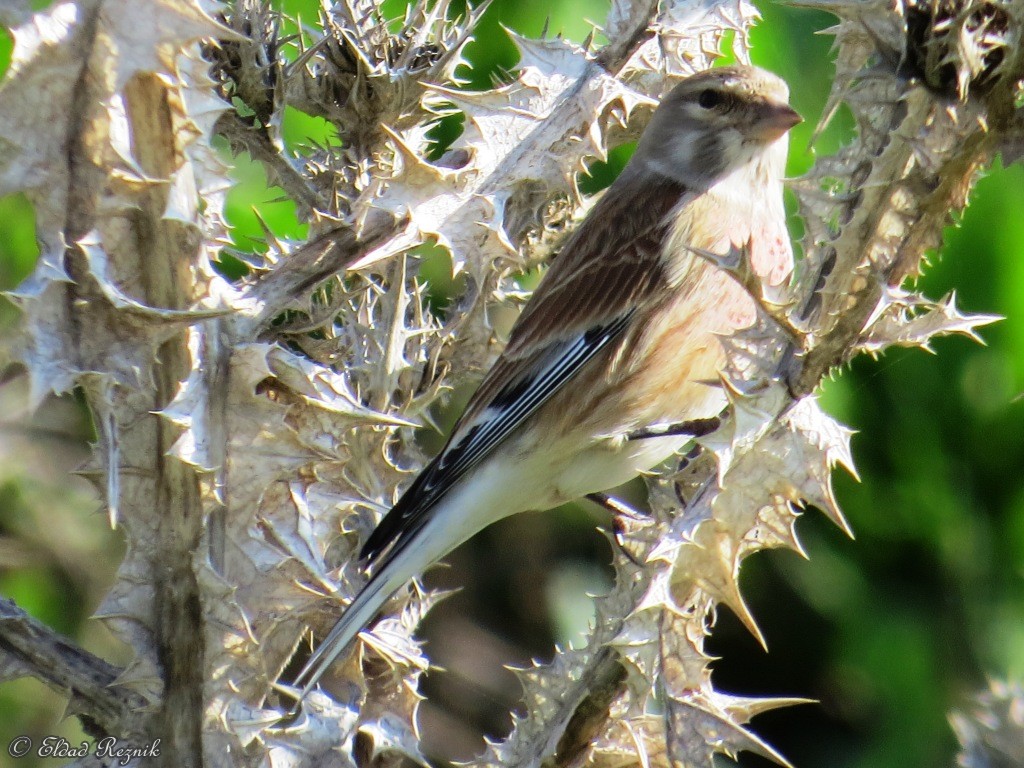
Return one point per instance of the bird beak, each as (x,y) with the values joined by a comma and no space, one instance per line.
(774,119)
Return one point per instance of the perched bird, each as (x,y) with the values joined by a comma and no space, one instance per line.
(620,341)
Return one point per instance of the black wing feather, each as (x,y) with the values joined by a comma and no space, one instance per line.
(514,403)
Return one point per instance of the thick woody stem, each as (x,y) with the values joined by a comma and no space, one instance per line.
(169,253)
(954,180)
(158,254)
(617,52)
(607,682)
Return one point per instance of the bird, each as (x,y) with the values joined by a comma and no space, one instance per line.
(620,342)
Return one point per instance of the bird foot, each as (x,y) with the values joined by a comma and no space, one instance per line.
(619,510)
(693,428)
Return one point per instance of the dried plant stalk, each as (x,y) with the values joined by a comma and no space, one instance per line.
(251,433)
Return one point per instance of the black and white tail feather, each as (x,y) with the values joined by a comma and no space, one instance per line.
(403,524)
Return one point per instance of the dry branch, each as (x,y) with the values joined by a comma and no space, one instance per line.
(251,433)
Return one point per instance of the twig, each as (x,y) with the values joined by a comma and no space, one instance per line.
(103,708)
(280,172)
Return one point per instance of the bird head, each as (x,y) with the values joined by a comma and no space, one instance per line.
(717,122)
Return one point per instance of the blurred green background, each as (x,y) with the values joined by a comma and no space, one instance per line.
(889,631)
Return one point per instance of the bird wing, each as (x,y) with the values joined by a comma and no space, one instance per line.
(608,268)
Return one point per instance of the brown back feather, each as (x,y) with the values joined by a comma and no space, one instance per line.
(609,265)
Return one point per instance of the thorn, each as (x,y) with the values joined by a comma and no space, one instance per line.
(269,237)
(476,13)
(740,610)
(711,565)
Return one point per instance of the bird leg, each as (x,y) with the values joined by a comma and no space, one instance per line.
(615,506)
(693,428)
(680,484)
(619,509)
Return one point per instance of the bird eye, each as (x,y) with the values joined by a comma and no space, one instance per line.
(709,98)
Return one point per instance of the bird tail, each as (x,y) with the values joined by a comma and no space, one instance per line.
(418,545)
(392,570)
(359,613)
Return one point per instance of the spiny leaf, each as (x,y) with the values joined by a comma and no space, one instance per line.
(991,731)
(697,730)
(910,320)
(710,563)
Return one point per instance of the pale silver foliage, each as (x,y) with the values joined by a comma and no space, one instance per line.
(991,731)
(252,433)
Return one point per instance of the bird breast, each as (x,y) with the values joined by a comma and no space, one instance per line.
(671,365)
(665,368)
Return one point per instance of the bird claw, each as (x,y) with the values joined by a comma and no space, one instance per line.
(619,510)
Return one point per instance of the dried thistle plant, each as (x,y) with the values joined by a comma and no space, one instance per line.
(251,432)
(991,733)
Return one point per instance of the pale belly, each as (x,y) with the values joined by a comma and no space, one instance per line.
(522,478)
(604,465)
